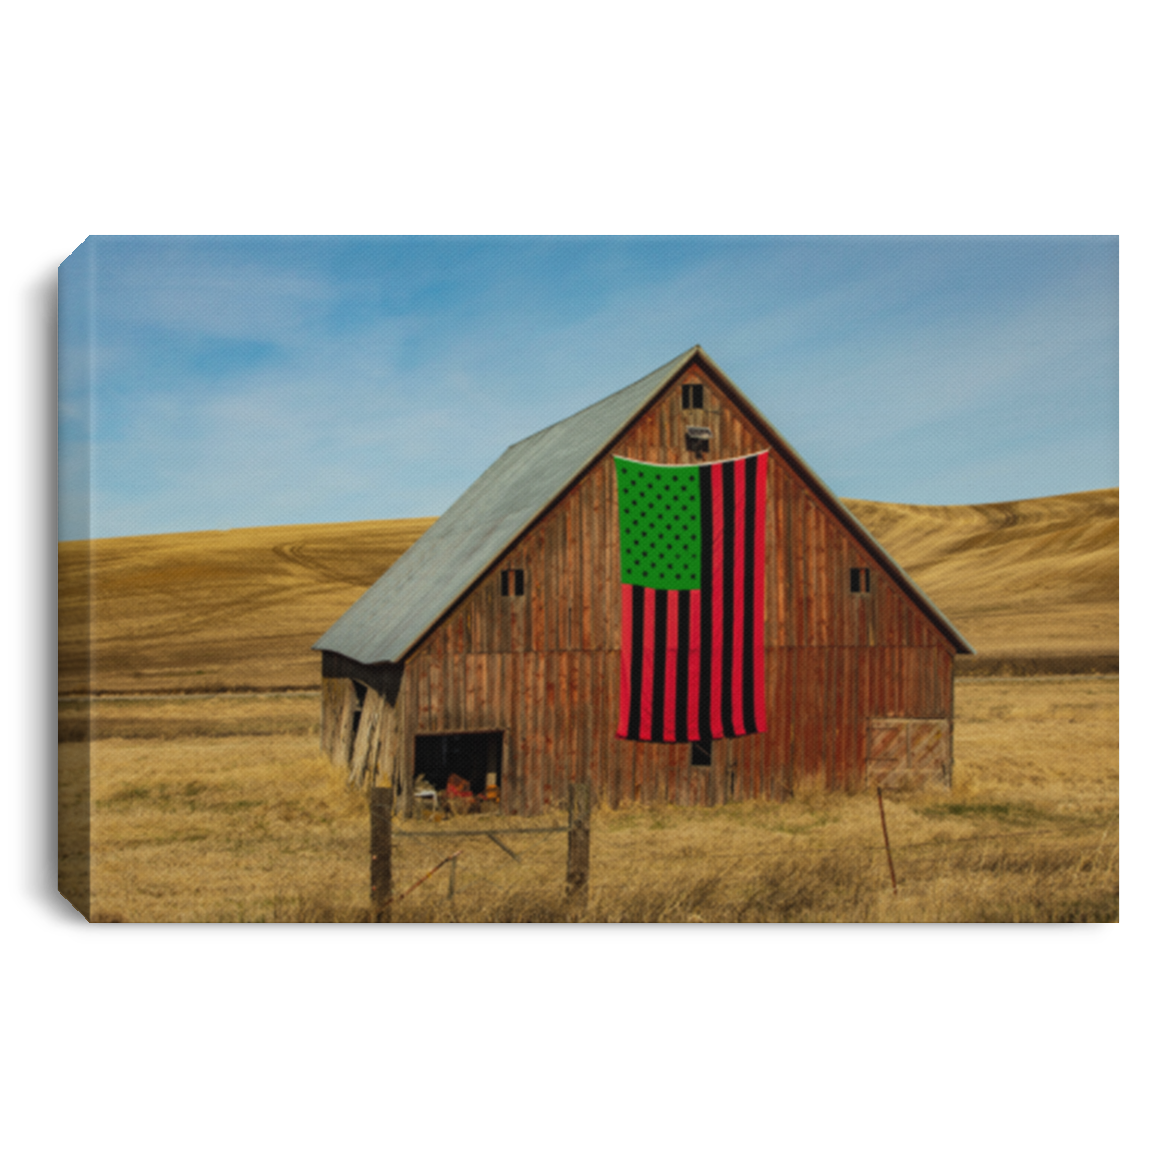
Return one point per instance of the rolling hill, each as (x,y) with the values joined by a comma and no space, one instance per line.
(1020,579)
(239,609)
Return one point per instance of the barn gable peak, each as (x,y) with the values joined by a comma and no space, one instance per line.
(442,566)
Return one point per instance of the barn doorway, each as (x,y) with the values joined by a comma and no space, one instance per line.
(475,756)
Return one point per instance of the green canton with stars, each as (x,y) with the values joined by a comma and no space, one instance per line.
(659,516)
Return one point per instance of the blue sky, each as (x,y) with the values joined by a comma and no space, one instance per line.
(219,382)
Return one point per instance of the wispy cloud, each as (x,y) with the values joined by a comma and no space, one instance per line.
(250,383)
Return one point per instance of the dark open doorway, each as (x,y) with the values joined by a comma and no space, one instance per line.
(476,757)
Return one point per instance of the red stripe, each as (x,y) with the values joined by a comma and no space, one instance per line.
(737,714)
(646,689)
(627,659)
(760,594)
(695,666)
(717,551)
(669,722)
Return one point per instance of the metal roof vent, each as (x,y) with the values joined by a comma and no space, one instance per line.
(698,439)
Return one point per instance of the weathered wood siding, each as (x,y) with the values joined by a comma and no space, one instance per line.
(544,667)
(338,707)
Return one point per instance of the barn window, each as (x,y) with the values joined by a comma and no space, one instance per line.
(512,583)
(692,396)
(701,752)
(859,581)
(698,439)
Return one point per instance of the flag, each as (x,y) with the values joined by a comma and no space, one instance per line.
(693,541)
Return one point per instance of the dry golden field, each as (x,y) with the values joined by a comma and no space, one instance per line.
(1018,578)
(210,809)
(211,806)
(214,611)
(239,609)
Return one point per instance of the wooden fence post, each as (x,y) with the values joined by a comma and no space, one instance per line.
(577,868)
(380,853)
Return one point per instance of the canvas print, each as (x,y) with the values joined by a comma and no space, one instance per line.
(589,579)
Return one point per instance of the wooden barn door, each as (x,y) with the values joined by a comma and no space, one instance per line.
(908,751)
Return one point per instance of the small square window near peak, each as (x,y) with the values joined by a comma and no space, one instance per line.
(859,581)
(697,439)
(512,583)
(692,395)
(701,753)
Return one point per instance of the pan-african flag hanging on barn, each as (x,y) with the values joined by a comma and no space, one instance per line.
(693,541)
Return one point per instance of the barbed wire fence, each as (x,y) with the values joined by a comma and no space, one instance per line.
(476,878)
(508,869)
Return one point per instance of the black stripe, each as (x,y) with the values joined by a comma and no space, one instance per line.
(637,641)
(682,689)
(727,623)
(751,614)
(707,598)
(661,614)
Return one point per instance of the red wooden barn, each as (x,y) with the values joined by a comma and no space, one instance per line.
(510,646)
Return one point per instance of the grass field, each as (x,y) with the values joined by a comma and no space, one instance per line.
(220,809)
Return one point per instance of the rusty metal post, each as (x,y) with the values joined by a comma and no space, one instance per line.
(577,869)
(380,853)
(886,840)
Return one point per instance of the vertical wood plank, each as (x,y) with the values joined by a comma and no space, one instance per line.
(585,567)
(435,681)
(539,731)
(579,690)
(384,770)
(796,538)
(947,675)
(536,584)
(607,746)
(407,724)
(343,752)
(366,743)
(569,633)
(553,725)
(822,563)
(552,578)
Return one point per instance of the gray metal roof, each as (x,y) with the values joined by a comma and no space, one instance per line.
(440,566)
(408,600)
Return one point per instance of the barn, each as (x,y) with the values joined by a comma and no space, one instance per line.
(542,631)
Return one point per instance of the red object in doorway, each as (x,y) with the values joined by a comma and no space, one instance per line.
(458,787)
